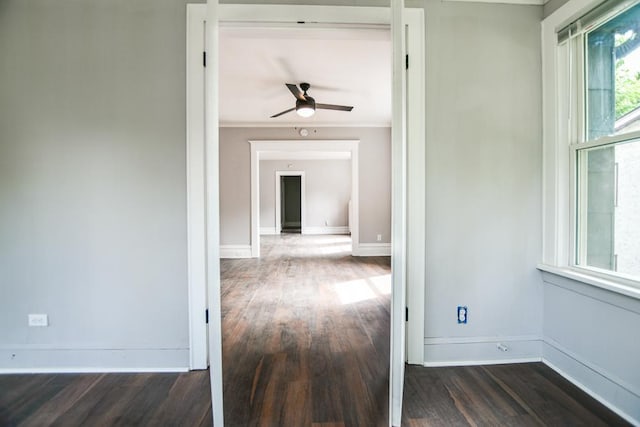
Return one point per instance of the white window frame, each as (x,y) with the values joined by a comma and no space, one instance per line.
(563,127)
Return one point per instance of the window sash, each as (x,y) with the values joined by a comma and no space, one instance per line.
(594,18)
(572,56)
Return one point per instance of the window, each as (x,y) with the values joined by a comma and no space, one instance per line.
(602,83)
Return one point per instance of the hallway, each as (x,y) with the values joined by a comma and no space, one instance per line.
(306,334)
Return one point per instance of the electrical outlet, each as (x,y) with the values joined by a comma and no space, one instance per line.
(38,320)
(379,237)
(463,314)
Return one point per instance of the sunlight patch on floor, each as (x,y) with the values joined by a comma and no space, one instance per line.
(359,290)
(354,291)
(381,283)
(335,249)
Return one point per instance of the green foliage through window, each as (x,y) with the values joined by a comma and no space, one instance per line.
(627,89)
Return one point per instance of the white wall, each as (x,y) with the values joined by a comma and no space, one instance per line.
(92,184)
(327,192)
(483,123)
(374,178)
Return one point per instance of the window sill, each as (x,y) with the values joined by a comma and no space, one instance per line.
(592,280)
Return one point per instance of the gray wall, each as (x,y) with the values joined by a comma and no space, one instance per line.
(374,178)
(588,334)
(483,151)
(553,5)
(327,189)
(92,183)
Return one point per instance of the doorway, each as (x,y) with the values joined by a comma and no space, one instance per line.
(290,205)
(290,202)
(254,14)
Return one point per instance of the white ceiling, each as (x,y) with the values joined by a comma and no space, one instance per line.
(343,66)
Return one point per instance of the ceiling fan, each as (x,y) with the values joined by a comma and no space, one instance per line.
(306,105)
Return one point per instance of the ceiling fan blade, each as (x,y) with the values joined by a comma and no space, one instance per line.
(296,91)
(334,107)
(283,112)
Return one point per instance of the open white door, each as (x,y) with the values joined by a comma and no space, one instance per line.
(213,213)
(398,212)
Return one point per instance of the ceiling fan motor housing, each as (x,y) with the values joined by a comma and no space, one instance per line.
(309,103)
(305,87)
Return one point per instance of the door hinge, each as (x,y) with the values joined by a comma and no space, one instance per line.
(206,316)
(406,314)
(406,61)
(204,59)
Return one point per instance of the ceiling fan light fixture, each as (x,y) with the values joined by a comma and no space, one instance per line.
(305,111)
(306,108)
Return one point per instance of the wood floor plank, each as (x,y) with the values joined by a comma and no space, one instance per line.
(74,388)
(15,396)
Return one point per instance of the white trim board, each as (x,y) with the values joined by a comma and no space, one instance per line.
(212,179)
(482,362)
(340,229)
(372,249)
(235,251)
(85,370)
(483,350)
(397,353)
(416,195)
(267,231)
(258,147)
(58,360)
(196,191)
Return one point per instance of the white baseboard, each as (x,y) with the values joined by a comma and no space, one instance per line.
(372,249)
(267,231)
(340,229)
(614,393)
(235,251)
(481,351)
(42,360)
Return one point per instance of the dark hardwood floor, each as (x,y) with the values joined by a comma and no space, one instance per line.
(306,335)
(306,343)
(528,394)
(105,399)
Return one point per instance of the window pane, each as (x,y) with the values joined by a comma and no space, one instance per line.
(609,207)
(613,76)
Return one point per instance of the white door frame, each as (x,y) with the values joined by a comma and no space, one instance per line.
(289,149)
(213,13)
(397,353)
(278,211)
(196,190)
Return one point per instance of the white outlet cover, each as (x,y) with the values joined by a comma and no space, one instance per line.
(38,320)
